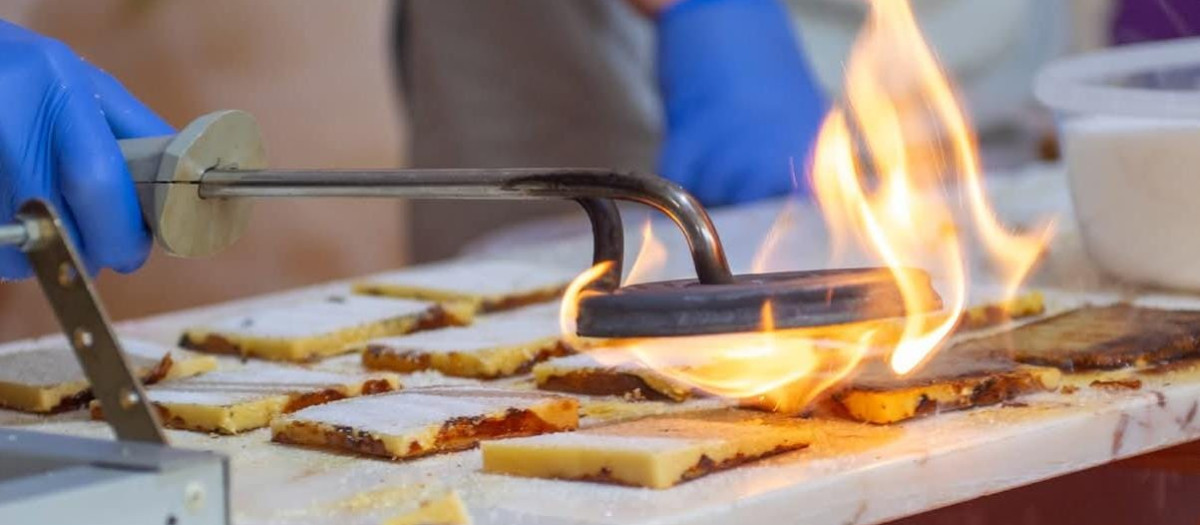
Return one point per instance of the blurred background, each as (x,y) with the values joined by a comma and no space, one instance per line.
(322,80)
(315,74)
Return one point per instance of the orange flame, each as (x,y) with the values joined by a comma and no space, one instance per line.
(893,166)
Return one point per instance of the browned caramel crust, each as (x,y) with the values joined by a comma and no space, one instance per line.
(1100,338)
(159,371)
(308,399)
(557,350)
(1115,385)
(594,383)
(985,390)
(707,466)
(511,302)
(703,467)
(73,402)
(81,399)
(456,434)
(378,357)
(465,432)
(377,386)
(438,317)
(211,343)
(342,438)
(876,376)
(305,400)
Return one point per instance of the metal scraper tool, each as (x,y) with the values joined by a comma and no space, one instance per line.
(195,189)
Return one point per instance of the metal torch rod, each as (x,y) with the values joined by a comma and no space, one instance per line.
(527,183)
(15,234)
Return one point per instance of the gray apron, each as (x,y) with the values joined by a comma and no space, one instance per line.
(521,83)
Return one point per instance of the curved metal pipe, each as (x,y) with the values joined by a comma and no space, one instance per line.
(608,241)
(708,255)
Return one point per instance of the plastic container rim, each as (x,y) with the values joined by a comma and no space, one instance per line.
(1075,85)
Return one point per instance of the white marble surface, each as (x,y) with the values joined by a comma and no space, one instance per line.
(851,474)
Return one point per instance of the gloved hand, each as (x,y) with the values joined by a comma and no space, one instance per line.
(59,121)
(741,104)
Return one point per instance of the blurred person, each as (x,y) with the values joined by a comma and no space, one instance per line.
(530,82)
(716,95)
(713,94)
(599,83)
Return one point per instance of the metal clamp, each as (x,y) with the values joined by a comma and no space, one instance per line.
(40,234)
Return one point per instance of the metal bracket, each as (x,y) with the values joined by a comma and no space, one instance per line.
(69,290)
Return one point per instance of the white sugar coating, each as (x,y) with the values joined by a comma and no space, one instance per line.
(487,278)
(406,411)
(228,387)
(51,361)
(131,346)
(135,347)
(588,440)
(612,359)
(512,328)
(587,360)
(30,344)
(318,318)
(41,367)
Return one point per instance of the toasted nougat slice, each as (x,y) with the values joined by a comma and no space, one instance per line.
(488,285)
(233,401)
(1104,337)
(654,452)
(603,372)
(495,345)
(424,421)
(311,330)
(44,376)
(953,379)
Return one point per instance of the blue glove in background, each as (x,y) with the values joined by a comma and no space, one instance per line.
(60,119)
(740,100)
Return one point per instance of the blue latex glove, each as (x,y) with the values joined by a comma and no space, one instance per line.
(59,121)
(741,103)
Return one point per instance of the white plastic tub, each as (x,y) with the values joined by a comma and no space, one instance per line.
(1130,129)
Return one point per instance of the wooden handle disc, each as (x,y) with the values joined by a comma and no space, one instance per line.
(185,224)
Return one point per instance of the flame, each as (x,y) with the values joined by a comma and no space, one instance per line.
(894,165)
(790,367)
(895,91)
(766,258)
(651,259)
